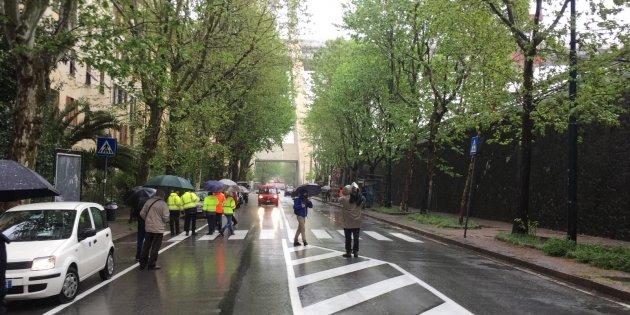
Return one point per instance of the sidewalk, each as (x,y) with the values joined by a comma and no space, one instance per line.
(610,282)
(121,228)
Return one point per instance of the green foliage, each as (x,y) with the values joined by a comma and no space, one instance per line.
(558,247)
(387,210)
(617,257)
(441,221)
(521,239)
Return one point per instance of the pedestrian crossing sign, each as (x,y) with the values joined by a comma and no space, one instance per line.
(106,146)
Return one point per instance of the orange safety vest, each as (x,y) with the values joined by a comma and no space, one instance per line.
(220,199)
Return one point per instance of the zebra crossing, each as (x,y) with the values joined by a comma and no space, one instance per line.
(321,281)
(320,234)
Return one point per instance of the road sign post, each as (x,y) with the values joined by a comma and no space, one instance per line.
(474,149)
(106,147)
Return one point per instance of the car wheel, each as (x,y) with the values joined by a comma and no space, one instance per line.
(70,286)
(108,270)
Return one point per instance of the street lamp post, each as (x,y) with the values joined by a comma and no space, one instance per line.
(573,134)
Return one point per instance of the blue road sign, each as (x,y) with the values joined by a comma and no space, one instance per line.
(106,146)
(474,145)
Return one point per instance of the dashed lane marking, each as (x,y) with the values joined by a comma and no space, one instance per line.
(405,237)
(321,234)
(314,258)
(331,273)
(354,297)
(377,236)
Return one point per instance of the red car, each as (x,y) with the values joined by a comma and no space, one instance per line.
(267,196)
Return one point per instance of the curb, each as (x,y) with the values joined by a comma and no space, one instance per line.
(581,282)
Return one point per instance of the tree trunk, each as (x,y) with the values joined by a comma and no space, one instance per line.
(27,112)
(434,125)
(149,142)
(526,145)
(404,200)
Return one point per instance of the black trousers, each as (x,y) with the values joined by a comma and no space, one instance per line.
(352,247)
(190,219)
(174,222)
(150,249)
(211,218)
(218,223)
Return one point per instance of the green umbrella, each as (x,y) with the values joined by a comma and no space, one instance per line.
(169,181)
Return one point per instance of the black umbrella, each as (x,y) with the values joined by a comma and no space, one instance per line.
(311,189)
(136,197)
(18,182)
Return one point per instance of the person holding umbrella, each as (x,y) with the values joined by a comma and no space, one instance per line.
(155,213)
(228,210)
(300,208)
(351,202)
(211,205)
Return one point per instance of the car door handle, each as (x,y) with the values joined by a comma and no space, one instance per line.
(95,241)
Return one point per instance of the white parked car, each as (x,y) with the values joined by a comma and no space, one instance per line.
(54,246)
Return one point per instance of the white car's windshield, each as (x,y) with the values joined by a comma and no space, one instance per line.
(37,225)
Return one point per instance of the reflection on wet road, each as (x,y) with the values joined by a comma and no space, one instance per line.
(258,271)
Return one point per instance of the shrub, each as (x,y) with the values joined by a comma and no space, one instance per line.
(441,221)
(617,258)
(521,239)
(558,247)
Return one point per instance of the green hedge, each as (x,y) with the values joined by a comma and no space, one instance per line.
(616,258)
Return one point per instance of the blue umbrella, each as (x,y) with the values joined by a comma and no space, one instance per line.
(213,186)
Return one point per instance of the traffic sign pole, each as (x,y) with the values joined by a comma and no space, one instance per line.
(105,182)
(474,149)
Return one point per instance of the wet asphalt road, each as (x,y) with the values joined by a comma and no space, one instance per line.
(263,274)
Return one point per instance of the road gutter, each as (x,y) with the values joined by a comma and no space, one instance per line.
(555,274)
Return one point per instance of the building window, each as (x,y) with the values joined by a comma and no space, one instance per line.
(88,76)
(101,84)
(120,95)
(73,67)
(73,114)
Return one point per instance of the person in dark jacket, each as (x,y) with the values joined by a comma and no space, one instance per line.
(135,214)
(3,269)
(300,208)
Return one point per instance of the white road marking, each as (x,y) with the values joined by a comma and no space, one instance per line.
(182,236)
(298,248)
(442,309)
(405,237)
(238,235)
(331,273)
(357,296)
(344,234)
(314,258)
(208,237)
(296,303)
(377,236)
(267,234)
(106,282)
(321,234)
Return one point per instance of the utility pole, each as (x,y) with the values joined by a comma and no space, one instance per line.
(573,135)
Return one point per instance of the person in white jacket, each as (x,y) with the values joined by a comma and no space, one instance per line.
(155,214)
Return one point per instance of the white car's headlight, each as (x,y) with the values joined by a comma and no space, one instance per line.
(43,263)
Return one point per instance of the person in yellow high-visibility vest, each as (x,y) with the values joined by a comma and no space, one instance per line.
(211,205)
(228,210)
(175,204)
(189,200)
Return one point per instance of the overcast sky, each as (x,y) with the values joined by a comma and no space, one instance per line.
(326,16)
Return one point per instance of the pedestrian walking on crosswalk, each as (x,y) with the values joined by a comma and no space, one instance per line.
(351,202)
(300,208)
